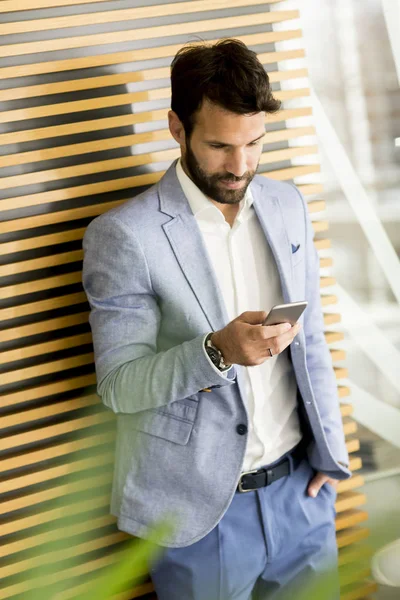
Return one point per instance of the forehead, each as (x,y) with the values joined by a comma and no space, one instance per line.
(215,121)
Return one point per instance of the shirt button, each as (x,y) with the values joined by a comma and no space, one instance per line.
(297,343)
(241,429)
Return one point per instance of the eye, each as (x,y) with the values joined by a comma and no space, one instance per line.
(217,146)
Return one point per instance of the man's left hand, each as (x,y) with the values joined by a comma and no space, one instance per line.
(318,481)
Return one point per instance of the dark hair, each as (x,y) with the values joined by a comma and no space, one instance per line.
(227,73)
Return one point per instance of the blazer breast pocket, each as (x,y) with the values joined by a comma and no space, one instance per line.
(297,253)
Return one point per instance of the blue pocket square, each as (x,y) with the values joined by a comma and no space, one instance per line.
(295,248)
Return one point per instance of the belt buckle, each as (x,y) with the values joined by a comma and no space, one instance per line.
(240,487)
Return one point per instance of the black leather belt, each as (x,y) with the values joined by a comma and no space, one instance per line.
(253,480)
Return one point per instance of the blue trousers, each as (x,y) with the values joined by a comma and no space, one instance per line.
(269,544)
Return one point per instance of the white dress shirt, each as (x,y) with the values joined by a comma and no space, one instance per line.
(249,280)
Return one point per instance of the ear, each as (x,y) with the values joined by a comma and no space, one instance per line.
(176,128)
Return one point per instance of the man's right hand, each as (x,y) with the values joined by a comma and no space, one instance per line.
(245,341)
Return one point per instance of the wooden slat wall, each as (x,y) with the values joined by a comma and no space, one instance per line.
(84,94)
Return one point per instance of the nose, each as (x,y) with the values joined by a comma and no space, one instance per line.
(236,163)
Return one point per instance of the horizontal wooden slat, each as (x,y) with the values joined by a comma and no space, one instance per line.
(289,173)
(98,60)
(346,410)
(325,262)
(45,348)
(355,481)
(352,445)
(49,389)
(327,299)
(85,147)
(316,205)
(43,433)
(63,554)
(69,193)
(327,281)
(44,262)
(333,336)
(349,426)
(349,518)
(64,449)
(349,500)
(320,225)
(42,241)
(286,154)
(54,366)
(58,408)
(60,491)
(73,106)
(100,166)
(18,289)
(349,555)
(13,312)
(355,463)
(55,533)
(343,391)
(322,244)
(9,5)
(310,188)
(147,33)
(350,536)
(55,131)
(359,591)
(337,355)
(341,372)
(115,16)
(330,318)
(50,473)
(53,514)
(357,573)
(42,326)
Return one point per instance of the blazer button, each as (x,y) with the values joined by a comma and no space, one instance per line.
(241,429)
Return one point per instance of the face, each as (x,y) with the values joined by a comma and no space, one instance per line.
(222,155)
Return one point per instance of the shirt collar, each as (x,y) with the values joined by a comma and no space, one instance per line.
(201,207)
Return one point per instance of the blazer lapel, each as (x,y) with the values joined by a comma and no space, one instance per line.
(269,213)
(187,244)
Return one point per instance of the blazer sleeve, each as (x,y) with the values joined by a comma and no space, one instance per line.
(318,359)
(125,317)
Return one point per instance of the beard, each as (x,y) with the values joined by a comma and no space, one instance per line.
(210,184)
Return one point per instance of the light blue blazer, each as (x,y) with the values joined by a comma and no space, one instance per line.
(153,296)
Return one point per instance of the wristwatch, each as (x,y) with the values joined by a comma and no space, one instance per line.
(215,355)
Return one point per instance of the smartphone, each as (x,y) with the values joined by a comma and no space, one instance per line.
(285,313)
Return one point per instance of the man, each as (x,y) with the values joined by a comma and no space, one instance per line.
(180,280)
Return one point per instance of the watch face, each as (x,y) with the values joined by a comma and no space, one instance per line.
(214,355)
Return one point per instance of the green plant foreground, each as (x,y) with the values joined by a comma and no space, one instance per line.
(54,565)
(131,568)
